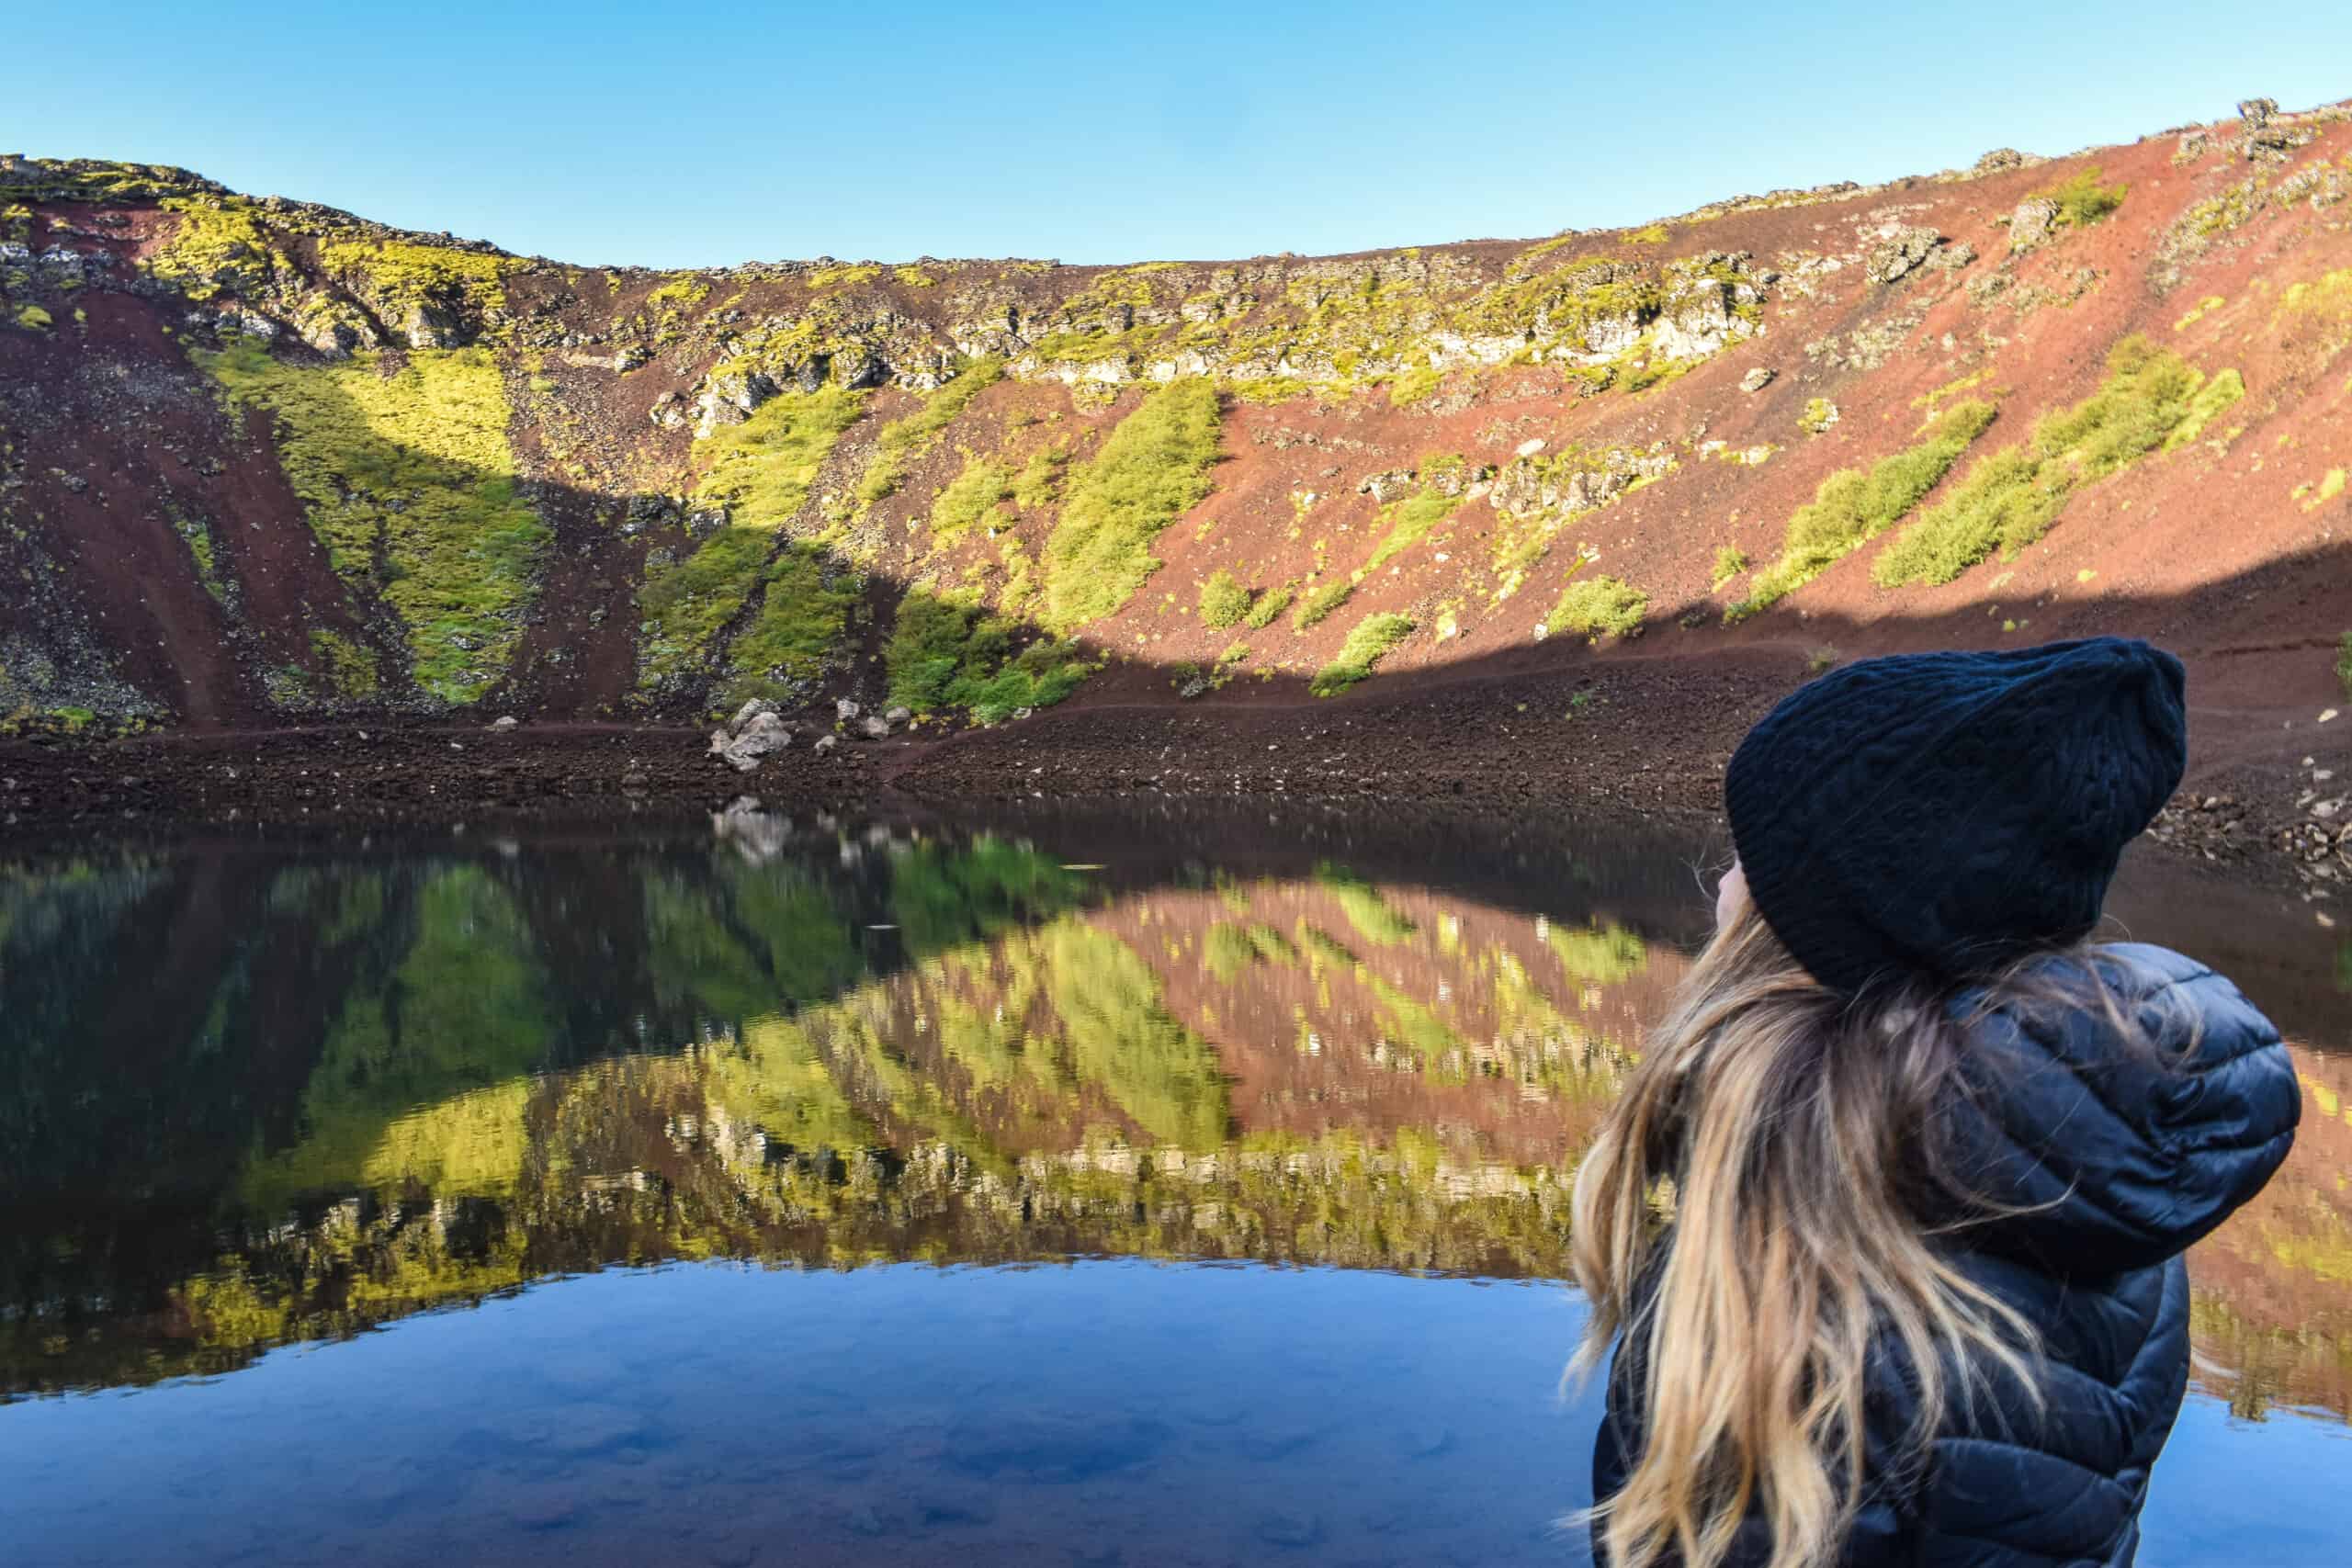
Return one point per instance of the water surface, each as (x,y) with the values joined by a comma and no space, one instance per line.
(1144,1190)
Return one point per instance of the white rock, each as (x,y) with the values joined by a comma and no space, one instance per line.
(505,723)
(845,710)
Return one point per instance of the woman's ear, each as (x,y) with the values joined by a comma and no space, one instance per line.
(1730,893)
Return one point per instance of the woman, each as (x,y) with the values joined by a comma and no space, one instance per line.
(1891,1215)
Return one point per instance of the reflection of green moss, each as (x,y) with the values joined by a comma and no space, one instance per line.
(1119,1035)
(1366,910)
(942,896)
(1229,948)
(467,1007)
(1599,955)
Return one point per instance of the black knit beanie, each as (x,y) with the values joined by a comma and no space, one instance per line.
(1939,813)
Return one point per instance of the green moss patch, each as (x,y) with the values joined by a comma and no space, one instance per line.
(2083,201)
(1154,468)
(1318,605)
(218,247)
(1409,521)
(1853,506)
(408,480)
(2014,497)
(1596,607)
(904,440)
(760,473)
(971,498)
(400,276)
(946,652)
(1269,607)
(805,605)
(1224,600)
(1373,639)
(349,668)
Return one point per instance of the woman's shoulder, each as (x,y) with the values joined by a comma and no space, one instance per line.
(2115,1131)
(2193,1016)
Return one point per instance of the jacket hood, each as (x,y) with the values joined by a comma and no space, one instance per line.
(2113,1156)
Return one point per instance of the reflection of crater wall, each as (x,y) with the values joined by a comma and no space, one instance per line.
(2273,1287)
(353,1089)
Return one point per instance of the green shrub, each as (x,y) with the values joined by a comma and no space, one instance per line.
(1373,639)
(1223,599)
(1416,385)
(1269,605)
(1041,479)
(2344,663)
(904,440)
(1319,603)
(1409,521)
(946,652)
(1855,505)
(970,497)
(2082,201)
(1730,561)
(1154,468)
(800,620)
(2216,394)
(761,472)
(2013,497)
(761,469)
(1598,607)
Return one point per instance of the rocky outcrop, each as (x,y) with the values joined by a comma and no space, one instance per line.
(1572,482)
(2033,223)
(1900,253)
(756,733)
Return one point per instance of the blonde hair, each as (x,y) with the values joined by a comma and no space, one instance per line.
(1792,1131)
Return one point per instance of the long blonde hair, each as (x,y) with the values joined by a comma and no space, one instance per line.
(1791,1133)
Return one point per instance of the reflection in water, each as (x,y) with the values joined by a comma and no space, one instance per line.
(250,1095)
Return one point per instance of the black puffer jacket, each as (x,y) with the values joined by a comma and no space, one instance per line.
(2134,1161)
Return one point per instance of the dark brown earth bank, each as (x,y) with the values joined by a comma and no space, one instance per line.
(1621,739)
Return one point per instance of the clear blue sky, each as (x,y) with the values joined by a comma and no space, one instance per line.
(675,135)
